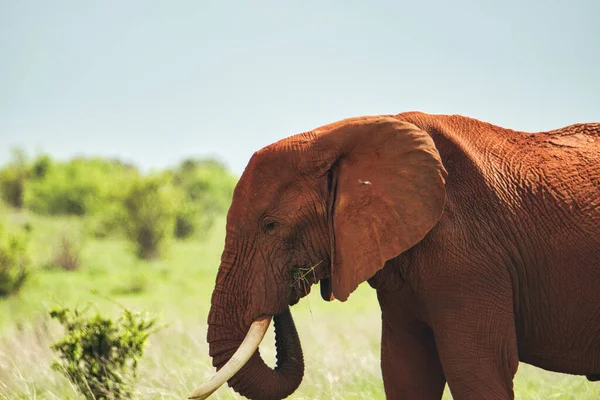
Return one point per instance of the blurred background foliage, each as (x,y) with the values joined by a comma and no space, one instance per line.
(99,230)
(114,198)
(96,231)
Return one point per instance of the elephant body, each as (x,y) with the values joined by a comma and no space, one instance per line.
(520,277)
(483,244)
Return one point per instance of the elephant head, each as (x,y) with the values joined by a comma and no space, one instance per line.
(329,205)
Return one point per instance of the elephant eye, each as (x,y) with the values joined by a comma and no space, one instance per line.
(269,226)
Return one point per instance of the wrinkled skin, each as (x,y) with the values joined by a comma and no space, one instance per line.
(483,244)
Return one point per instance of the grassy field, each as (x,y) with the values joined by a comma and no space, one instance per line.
(340,341)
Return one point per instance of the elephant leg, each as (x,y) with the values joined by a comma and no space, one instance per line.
(477,344)
(409,362)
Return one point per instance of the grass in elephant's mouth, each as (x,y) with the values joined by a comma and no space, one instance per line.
(301,275)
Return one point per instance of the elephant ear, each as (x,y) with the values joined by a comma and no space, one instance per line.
(386,191)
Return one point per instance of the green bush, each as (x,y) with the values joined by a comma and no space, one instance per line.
(13,178)
(14,262)
(208,189)
(206,181)
(82,186)
(41,166)
(108,221)
(185,220)
(98,355)
(150,207)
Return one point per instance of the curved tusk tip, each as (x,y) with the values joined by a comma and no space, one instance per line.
(201,397)
(236,362)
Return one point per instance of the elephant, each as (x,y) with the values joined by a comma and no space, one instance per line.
(482,243)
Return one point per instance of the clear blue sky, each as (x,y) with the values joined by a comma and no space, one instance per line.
(155,81)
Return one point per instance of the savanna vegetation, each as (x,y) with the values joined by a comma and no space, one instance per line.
(98,234)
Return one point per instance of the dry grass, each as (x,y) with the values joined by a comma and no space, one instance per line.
(341,353)
(68,254)
(340,340)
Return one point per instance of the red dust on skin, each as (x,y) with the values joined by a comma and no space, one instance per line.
(483,243)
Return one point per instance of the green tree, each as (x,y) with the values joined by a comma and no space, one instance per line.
(150,207)
(14,262)
(81,186)
(13,178)
(208,189)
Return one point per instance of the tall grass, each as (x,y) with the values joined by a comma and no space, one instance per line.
(340,340)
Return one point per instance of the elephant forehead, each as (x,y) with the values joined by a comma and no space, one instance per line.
(269,175)
(278,161)
(266,169)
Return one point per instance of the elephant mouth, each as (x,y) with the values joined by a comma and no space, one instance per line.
(304,276)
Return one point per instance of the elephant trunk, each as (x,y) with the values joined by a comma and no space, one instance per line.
(256,380)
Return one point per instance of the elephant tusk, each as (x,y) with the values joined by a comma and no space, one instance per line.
(255,335)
